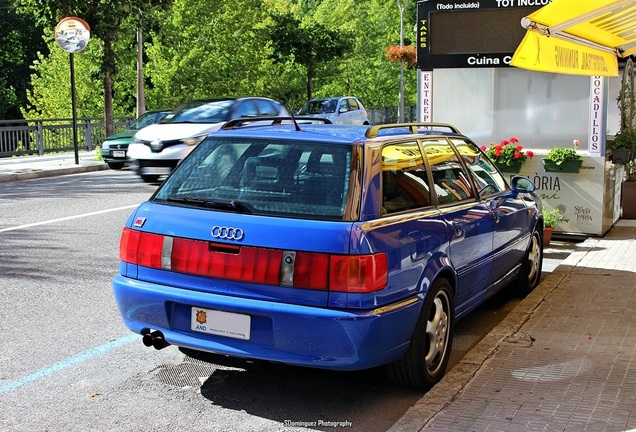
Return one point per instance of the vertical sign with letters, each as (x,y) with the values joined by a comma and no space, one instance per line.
(596,134)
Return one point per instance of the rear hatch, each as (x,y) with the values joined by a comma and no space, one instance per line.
(255,219)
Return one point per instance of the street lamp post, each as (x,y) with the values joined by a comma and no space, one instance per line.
(402,7)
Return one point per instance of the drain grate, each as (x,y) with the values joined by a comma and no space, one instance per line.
(186,374)
(192,373)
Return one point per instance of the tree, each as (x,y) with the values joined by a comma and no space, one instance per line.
(106,21)
(211,49)
(307,43)
(20,41)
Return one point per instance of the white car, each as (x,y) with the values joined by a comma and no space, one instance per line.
(157,149)
(339,110)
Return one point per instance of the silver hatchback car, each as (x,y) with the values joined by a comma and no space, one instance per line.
(339,110)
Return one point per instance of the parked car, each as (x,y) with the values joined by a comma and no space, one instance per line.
(115,147)
(335,247)
(339,110)
(156,150)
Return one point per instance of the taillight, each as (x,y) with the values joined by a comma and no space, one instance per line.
(311,270)
(358,273)
(239,263)
(342,273)
(128,245)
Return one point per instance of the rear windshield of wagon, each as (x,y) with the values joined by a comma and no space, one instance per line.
(263,177)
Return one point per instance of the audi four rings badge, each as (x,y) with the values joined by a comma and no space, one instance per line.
(227,233)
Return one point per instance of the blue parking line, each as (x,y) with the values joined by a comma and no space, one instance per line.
(69,362)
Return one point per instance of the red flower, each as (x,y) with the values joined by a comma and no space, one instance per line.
(530,154)
(483,148)
(507,152)
(395,53)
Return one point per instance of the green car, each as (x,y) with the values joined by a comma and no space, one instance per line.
(114,147)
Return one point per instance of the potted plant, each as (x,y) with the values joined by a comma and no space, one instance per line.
(508,155)
(623,146)
(550,219)
(563,159)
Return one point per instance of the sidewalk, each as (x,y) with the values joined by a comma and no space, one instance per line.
(563,360)
(29,167)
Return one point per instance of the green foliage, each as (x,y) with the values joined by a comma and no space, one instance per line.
(308,43)
(558,155)
(50,96)
(552,217)
(199,49)
(20,41)
(625,139)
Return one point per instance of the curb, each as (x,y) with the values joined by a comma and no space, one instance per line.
(51,173)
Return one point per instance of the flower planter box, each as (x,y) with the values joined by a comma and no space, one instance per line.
(514,168)
(621,156)
(568,166)
(628,200)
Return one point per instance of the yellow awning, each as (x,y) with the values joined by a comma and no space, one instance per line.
(578,37)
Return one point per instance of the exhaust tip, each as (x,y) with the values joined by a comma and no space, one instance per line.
(154,339)
(147,339)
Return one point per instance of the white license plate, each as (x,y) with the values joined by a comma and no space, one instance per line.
(155,170)
(119,153)
(220,323)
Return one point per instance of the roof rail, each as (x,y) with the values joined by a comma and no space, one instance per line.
(274,120)
(372,132)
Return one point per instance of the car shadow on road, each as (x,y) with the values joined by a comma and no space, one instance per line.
(293,395)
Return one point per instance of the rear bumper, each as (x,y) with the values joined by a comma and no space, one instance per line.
(286,333)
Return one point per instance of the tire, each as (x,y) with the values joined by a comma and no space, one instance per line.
(530,274)
(150,178)
(425,362)
(115,165)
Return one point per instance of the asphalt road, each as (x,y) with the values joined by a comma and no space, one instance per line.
(68,362)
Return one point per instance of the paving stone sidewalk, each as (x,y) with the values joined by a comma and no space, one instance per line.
(563,360)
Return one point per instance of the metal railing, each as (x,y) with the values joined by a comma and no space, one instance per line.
(386,115)
(38,137)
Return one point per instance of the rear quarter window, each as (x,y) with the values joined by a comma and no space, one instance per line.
(405,183)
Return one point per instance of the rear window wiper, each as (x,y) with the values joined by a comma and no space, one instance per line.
(232,205)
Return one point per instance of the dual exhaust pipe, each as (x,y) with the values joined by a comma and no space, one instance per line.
(155,339)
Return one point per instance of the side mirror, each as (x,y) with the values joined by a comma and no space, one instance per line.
(522,184)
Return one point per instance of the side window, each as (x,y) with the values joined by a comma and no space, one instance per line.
(488,180)
(266,108)
(450,181)
(344,105)
(247,109)
(353,105)
(404,180)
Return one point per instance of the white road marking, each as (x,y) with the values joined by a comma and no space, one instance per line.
(19,227)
